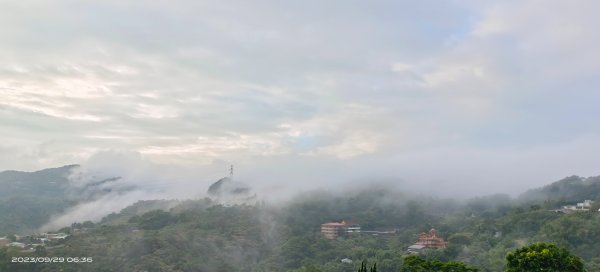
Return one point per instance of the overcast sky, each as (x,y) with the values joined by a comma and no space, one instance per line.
(458,96)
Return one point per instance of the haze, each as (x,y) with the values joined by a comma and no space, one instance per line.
(450,97)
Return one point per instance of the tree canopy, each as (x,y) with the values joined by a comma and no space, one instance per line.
(417,264)
(544,258)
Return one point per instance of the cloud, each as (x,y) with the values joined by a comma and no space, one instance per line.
(312,88)
(111,180)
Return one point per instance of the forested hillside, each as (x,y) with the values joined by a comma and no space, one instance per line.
(568,190)
(200,235)
(28,199)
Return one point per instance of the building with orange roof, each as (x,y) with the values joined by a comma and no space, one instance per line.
(333,230)
(431,240)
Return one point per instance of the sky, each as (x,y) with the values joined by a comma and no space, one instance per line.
(451,97)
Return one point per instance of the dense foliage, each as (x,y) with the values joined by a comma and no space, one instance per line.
(363,268)
(544,258)
(27,200)
(416,264)
(201,235)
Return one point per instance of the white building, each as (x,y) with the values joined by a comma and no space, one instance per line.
(416,249)
(582,206)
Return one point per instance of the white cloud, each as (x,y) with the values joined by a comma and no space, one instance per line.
(281,83)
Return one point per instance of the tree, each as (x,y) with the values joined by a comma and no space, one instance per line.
(416,264)
(544,258)
(363,268)
(156,219)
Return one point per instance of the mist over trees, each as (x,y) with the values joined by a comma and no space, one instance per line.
(206,235)
(29,199)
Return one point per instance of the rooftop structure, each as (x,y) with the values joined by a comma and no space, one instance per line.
(584,206)
(56,236)
(416,249)
(333,230)
(431,240)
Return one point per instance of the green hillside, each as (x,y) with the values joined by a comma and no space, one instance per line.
(28,199)
(200,235)
(568,190)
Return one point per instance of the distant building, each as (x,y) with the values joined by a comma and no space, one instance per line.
(584,206)
(380,232)
(56,236)
(416,249)
(427,240)
(431,240)
(346,261)
(333,230)
(352,228)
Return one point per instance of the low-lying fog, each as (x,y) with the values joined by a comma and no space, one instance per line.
(446,173)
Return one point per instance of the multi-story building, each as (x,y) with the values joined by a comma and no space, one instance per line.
(431,240)
(333,230)
(582,206)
